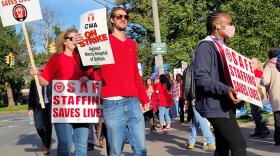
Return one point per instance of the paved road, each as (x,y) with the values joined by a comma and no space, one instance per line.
(18,138)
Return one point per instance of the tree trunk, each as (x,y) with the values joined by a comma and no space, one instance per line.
(11,102)
(47,36)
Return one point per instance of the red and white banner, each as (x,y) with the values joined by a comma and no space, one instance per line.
(73,102)
(17,11)
(96,48)
(242,76)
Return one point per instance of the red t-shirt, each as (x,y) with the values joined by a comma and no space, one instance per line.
(63,67)
(164,98)
(258,73)
(122,78)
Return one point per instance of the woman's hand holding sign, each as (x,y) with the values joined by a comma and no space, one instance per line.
(34,70)
(84,79)
(78,38)
(232,95)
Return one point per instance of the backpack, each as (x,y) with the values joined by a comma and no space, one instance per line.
(188,83)
(278,61)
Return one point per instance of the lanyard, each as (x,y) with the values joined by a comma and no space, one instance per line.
(224,62)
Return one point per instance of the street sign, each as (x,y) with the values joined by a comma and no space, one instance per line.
(159,61)
(159,48)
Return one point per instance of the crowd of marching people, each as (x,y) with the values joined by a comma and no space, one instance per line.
(202,91)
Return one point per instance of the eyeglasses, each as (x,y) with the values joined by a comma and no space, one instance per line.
(119,17)
(70,38)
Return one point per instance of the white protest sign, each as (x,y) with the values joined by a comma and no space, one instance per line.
(242,76)
(96,48)
(140,69)
(17,11)
(20,11)
(176,89)
(159,61)
(73,102)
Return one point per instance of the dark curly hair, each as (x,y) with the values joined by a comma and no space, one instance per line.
(273,52)
(164,80)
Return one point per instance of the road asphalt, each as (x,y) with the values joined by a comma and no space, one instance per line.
(18,138)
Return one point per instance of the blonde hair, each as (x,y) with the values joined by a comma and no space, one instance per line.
(61,39)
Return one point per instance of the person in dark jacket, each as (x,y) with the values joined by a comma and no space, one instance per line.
(215,98)
(42,117)
(198,122)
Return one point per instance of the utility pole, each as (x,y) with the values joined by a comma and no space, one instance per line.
(157,35)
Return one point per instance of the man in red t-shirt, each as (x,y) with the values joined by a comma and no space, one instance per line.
(261,130)
(122,89)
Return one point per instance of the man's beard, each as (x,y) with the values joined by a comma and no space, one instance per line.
(120,28)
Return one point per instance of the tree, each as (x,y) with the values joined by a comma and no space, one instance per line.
(141,29)
(46,29)
(257,26)
(183,26)
(12,77)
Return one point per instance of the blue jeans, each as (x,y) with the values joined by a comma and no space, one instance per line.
(200,122)
(164,112)
(64,137)
(176,103)
(92,138)
(124,119)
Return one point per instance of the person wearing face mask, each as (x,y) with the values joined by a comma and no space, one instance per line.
(215,96)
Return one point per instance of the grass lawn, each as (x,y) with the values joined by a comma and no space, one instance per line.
(13,109)
(248,118)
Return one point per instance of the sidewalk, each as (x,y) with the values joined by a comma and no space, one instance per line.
(173,143)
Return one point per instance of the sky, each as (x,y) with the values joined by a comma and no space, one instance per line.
(71,10)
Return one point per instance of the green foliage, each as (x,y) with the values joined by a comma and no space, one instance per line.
(183,25)
(257,26)
(10,41)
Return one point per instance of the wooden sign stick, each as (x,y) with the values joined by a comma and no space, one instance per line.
(33,64)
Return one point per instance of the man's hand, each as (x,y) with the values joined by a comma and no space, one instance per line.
(231,93)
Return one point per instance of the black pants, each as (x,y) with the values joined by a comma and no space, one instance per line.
(277,127)
(228,137)
(190,112)
(256,114)
(42,118)
(182,113)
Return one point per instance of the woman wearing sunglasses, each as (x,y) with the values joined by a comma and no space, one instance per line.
(62,66)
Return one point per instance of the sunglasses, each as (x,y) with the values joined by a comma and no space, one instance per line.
(70,38)
(119,17)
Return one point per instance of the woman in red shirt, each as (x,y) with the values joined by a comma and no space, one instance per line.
(165,100)
(62,66)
